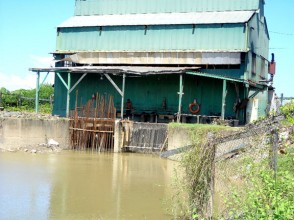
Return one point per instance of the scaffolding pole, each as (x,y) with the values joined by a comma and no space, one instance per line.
(224,99)
(180,99)
(123,96)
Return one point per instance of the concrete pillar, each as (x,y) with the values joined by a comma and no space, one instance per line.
(117,137)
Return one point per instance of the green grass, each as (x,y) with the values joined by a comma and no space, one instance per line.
(286,162)
(197,126)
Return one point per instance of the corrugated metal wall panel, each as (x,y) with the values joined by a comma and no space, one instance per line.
(169,37)
(259,45)
(91,7)
(259,41)
(148,93)
(257,106)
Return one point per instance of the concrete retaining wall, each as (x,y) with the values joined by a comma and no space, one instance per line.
(19,132)
(179,137)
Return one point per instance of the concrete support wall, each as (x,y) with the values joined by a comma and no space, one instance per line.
(18,132)
(122,134)
(178,137)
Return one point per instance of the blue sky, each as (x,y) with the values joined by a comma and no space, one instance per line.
(28,34)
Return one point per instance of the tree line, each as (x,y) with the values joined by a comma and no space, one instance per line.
(24,99)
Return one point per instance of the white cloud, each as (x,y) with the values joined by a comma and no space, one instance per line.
(13,81)
(42,62)
(27,80)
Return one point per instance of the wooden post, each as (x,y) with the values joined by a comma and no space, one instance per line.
(180,99)
(51,102)
(224,99)
(0,99)
(37,93)
(282,98)
(123,96)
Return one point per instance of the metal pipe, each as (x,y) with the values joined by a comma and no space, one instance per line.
(68,94)
(77,83)
(44,79)
(123,96)
(246,73)
(37,92)
(62,80)
(180,99)
(224,99)
(113,83)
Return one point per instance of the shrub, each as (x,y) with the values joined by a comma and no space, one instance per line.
(288,111)
(268,196)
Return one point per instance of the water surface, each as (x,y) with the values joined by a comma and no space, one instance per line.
(80,185)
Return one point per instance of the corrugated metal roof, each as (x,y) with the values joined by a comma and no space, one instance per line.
(99,7)
(159,19)
(137,70)
(215,76)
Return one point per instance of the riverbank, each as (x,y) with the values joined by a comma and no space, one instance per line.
(45,148)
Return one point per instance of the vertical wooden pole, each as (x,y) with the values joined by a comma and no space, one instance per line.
(68,94)
(37,93)
(0,99)
(180,99)
(224,99)
(51,103)
(282,98)
(123,96)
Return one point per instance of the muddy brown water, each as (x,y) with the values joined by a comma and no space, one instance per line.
(75,185)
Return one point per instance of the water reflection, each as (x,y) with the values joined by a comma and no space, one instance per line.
(75,185)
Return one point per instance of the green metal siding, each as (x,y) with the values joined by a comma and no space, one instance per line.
(262,107)
(258,38)
(60,92)
(258,43)
(99,7)
(234,73)
(147,93)
(263,103)
(215,37)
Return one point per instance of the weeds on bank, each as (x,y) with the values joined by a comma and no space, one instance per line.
(261,193)
(268,196)
(192,182)
(288,111)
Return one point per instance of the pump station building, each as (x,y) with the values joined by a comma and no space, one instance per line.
(182,58)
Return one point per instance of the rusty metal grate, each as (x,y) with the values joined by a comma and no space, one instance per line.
(92,125)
